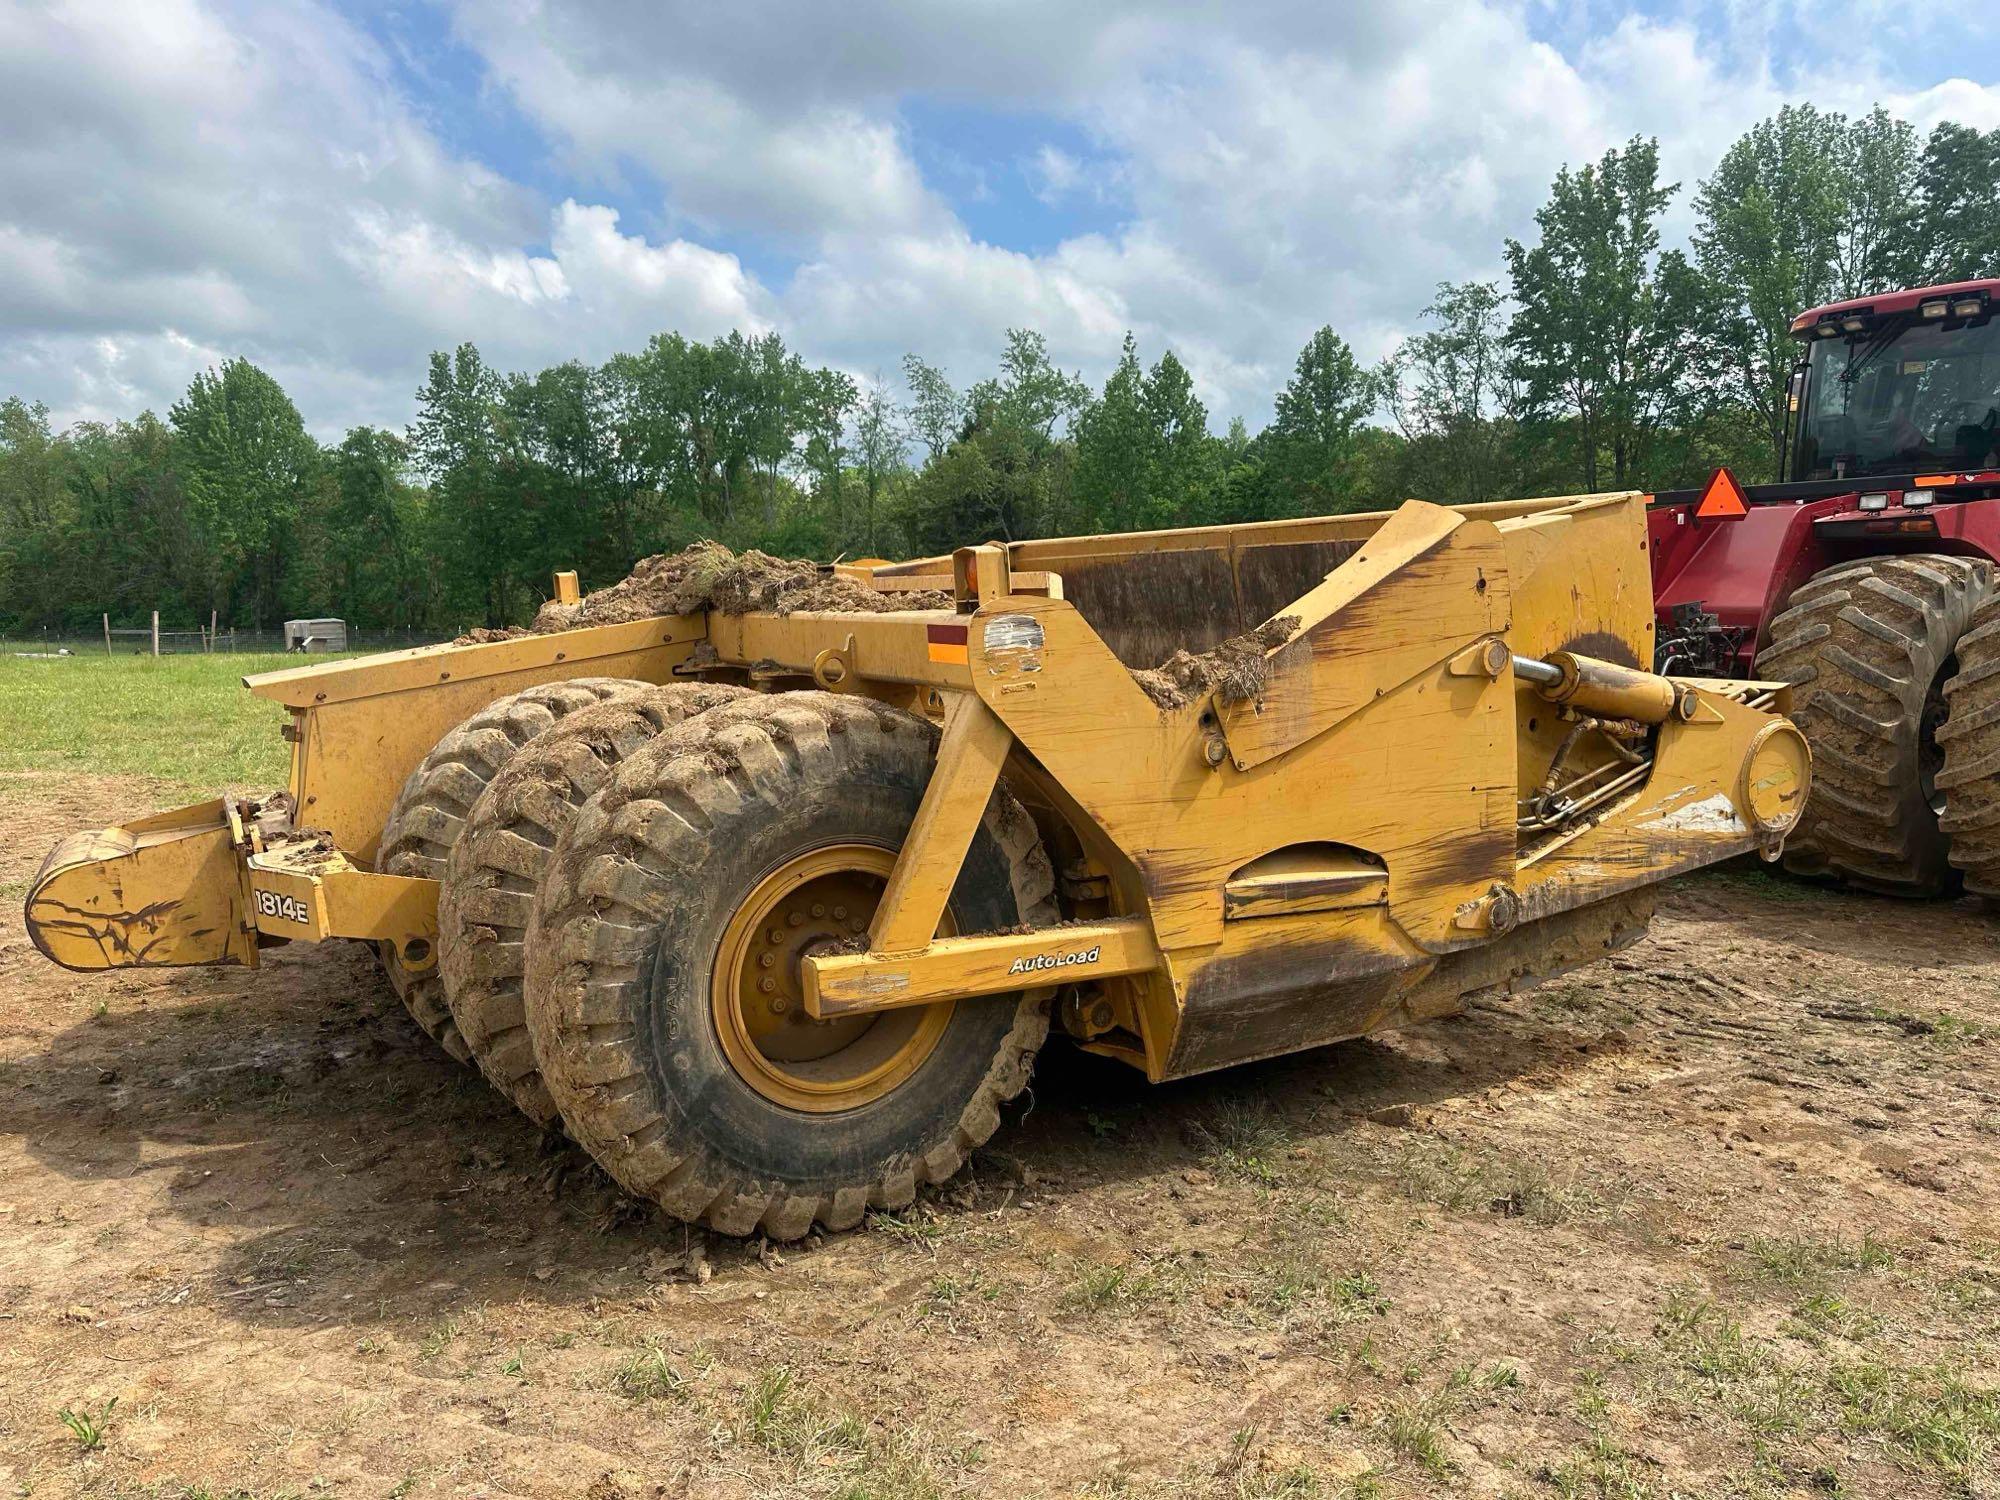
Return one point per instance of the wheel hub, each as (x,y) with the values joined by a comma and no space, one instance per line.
(817,902)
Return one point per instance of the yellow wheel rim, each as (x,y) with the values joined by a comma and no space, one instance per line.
(809,904)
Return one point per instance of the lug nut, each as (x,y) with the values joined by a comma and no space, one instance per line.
(767,958)
(767,984)
(795,918)
(840,914)
(779,1005)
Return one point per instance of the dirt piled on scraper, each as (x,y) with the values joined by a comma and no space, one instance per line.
(1234,671)
(708,575)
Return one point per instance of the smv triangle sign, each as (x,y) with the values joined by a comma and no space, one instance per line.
(1722,498)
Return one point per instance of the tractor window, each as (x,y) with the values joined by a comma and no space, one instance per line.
(1908,397)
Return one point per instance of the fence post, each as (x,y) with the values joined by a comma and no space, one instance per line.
(211,630)
(156,632)
(107,635)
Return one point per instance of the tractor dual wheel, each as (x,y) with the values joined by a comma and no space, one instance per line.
(663,982)
(1868,647)
(498,862)
(429,813)
(1970,738)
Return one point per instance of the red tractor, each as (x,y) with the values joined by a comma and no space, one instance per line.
(1866,577)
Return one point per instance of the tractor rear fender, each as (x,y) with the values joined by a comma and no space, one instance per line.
(1745,569)
(1742,569)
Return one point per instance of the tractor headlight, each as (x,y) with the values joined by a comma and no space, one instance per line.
(1878,501)
(1935,309)
(1918,499)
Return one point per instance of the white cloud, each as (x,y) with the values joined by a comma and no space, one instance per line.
(1055,173)
(185,179)
(621,89)
(627,282)
(422,267)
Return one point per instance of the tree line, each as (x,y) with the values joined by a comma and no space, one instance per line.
(1601,361)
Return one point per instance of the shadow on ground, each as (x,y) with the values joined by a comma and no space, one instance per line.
(301,1096)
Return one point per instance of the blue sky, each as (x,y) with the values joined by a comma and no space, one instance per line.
(336,190)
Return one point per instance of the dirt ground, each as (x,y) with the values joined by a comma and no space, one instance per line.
(1719,1217)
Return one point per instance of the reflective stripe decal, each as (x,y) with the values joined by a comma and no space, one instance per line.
(946,644)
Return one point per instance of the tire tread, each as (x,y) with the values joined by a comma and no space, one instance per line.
(1970,738)
(510,835)
(733,757)
(428,815)
(1861,643)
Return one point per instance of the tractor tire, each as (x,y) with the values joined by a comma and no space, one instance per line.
(662,981)
(1970,738)
(429,814)
(1868,646)
(498,862)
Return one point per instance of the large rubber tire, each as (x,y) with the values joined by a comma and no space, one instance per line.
(1868,647)
(1970,738)
(498,862)
(624,940)
(428,815)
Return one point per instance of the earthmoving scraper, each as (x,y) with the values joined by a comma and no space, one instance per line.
(772,910)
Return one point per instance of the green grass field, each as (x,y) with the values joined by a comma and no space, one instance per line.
(185,722)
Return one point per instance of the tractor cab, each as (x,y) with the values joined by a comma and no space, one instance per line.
(1898,386)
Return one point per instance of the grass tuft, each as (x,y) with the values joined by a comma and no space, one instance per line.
(781,1418)
(649,1375)
(440,1337)
(1113,1288)
(1601,1470)
(86,1426)
(1413,1430)
(1515,1188)
(917,1226)
(1296,1283)
(1797,1258)
(1244,1138)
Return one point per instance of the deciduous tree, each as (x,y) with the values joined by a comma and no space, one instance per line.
(1309,449)
(1594,300)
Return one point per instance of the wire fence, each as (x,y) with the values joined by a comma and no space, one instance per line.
(194,641)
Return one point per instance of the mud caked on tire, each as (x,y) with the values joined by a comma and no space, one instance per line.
(428,815)
(663,969)
(1970,738)
(497,865)
(1868,647)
